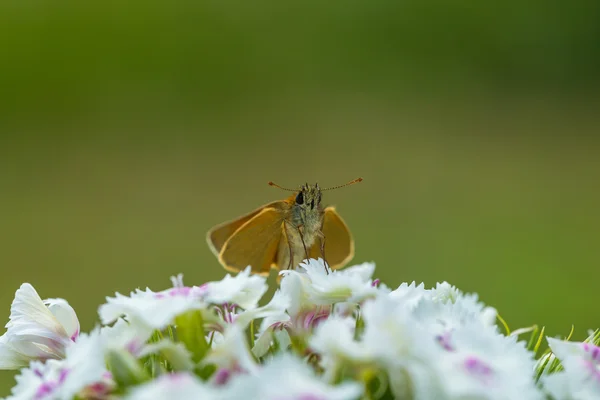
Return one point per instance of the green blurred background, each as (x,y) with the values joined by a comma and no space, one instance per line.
(127,131)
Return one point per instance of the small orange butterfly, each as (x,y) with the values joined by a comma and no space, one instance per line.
(283,233)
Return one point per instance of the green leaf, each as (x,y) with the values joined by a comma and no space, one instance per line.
(125,368)
(359,327)
(570,333)
(506,328)
(532,337)
(539,341)
(205,371)
(190,332)
(252,334)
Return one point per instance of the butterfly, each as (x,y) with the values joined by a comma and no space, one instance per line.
(283,233)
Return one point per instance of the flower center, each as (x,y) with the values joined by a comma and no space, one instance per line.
(592,350)
(47,388)
(222,376)
(444,341)
(478,369)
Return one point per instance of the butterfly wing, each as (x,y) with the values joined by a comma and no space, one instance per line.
(218,235)
(256,242)
(339,244)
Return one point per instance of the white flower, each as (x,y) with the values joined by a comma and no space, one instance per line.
(83,366)
(310,292)
(125,335)
(230,354)
(294,286)
(409,295)
(442,318)
(275,319)
(300,317)
(157,310)
(287,378)
(398,342)
(561,386)
(154,310)
(443,308)
(37,330)
(325,287)
(484,364)
(181,385)
(447,294)
(334,341)
(580,379)
(244,290)
(272,311)
(564,349)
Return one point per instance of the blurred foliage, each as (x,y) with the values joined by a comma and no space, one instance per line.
(128,130)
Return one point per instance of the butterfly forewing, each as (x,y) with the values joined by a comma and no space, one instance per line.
(218,235)
(255,242)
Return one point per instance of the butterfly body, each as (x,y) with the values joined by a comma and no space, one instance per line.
(303,229)
(283,233)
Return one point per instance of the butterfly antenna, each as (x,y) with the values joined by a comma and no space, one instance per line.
(282,188)
(345,184)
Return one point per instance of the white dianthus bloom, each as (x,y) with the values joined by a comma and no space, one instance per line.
(484,364)
(244,290)
(445,302)
(447,294)
(397,341)
(310,291)
(126,335)
(231,355)
(294,285)
(409,295)
(181,385)
(334,341)
(335,336)
(580,379)
(292,309)
(564,349)
(37,330)
(83,366)
(155,310)
(272,311)
(442,318)
(325,287)
(287,377)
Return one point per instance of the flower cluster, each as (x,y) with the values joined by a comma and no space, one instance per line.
(324,335)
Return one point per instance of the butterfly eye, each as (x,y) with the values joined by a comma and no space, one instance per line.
(300,199)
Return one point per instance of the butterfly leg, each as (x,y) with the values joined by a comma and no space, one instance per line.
(322,242)
(303,243)
(301,239)
(287,238)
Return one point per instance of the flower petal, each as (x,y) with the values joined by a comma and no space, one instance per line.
(28,307)
(9,357)
(65,314)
